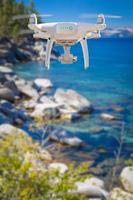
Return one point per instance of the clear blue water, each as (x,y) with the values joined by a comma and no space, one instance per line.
(107,83)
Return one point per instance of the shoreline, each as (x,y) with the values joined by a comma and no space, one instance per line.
(24,100)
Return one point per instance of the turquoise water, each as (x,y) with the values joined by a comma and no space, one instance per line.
(107,83)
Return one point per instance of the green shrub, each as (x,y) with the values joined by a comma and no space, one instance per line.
(24,179)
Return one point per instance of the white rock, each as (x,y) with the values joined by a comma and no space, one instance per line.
(44,83)
(127,178)
(5,69)
(40,108)
(58,166)
(119,194)
(7,129)
(90,190)
(26,88)
(73,101)
(106,116)
(73,141)
(95,181)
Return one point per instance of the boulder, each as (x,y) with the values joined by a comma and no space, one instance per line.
(46,106)
(61,167)
(7,94)
(6,70)
(73,101)
(126,178)
(26,89)
(92,191)
(12,113)
(11,85)
(108,117)
(119,194)
(7,129)
(43,83)
(95,181)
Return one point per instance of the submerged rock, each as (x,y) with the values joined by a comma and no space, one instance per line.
(96,129)
(73,101)
(127,178)
(62,136)
(108,117)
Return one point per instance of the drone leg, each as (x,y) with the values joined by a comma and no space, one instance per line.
(85,52)
(48,52)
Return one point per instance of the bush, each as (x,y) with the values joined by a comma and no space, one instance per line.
(25,177)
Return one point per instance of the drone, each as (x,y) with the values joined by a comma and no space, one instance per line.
(66,34)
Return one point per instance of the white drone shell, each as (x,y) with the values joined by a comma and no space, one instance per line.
(67,34)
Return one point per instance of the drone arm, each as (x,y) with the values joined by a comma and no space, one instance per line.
(48,52)
(85,52)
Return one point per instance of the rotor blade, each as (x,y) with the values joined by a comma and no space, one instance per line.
(94,15)
(17,17)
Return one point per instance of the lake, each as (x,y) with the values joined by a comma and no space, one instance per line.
(108,84)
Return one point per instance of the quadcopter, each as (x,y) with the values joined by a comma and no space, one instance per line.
(66,34)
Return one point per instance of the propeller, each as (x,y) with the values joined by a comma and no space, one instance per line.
(18,17)
(107,16)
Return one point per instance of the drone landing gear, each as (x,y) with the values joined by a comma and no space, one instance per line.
(85,52)
(48,52)
(67,58)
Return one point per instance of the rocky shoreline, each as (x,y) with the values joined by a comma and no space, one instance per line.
(23,51)
(35,102)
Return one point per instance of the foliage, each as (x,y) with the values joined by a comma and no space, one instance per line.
(24,179)
(10,8)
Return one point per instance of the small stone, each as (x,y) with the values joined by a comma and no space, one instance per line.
(43,83)
(118,108)
(96,129)
(108,117)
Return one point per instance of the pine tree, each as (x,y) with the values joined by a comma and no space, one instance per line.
(8,8)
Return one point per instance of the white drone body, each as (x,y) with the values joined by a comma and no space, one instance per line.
(66,34)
